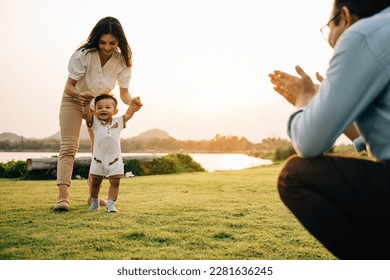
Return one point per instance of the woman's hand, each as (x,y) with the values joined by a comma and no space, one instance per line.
(297,91)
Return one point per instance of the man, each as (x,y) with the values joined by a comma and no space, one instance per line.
(344,202)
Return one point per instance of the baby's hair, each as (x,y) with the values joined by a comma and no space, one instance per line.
(106,96)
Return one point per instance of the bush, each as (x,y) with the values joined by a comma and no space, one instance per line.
(169,164)
(134,166)
(163,165)
(185,163)
(283,153)
(13,169)
(173,163)
(41,175)
(82,171)
(2,170)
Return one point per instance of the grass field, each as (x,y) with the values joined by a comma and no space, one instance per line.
(229,215)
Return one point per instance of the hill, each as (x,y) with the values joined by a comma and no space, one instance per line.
(12,137)
(83,135)
(149,134)
(152,133)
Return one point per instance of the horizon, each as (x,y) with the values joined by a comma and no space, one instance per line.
(177,139)
(200,67)
(86,136)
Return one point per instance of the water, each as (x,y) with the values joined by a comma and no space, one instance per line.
(215,162)
(210,162)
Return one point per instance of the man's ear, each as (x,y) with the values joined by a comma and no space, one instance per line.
(347,17)
(116,111)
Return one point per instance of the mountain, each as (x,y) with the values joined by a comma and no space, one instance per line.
(83,134)
(152,133)
(12,137)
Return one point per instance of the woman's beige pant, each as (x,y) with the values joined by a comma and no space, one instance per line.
(70,125)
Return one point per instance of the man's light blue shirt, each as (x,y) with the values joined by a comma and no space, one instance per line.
(356,90)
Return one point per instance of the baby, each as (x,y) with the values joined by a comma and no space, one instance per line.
(106,153)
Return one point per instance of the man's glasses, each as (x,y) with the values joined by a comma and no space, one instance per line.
(325,30)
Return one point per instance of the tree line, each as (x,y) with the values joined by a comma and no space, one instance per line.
(218,144)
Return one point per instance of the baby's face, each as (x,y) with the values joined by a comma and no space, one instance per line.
(105,109)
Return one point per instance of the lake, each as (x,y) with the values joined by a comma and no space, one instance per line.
(210,162)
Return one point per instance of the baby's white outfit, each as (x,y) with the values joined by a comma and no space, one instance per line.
(106,157)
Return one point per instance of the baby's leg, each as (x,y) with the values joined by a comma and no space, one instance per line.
(113,193)
(95,182)
(102,201)
(94,185)
(114,188)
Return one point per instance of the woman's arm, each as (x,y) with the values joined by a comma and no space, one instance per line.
(70,88)
(83,97)
(125,95)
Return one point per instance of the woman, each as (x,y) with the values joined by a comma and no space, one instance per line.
(94,68)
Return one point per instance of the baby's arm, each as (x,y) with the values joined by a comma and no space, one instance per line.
(87,114)
(135,105)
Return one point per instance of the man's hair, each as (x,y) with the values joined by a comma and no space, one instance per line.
(360,8)
(106,96)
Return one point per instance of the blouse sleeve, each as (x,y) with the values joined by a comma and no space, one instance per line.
(124,77)
(77,65)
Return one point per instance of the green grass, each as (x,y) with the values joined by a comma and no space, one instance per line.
(230,215)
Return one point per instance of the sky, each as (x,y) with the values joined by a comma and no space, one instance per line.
(200,66)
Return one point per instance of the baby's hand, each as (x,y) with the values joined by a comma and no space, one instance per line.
(86,97)
(136,104)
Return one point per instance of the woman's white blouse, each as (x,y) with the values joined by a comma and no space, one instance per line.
(85,67)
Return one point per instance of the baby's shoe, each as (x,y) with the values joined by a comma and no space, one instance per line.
(95,205)
(102,201)
(111,206)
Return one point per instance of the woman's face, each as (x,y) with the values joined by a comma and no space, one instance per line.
(108,44)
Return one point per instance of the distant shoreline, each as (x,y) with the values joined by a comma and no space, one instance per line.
(136,152)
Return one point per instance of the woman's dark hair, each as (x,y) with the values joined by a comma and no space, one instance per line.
(109,25)
(360,8)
